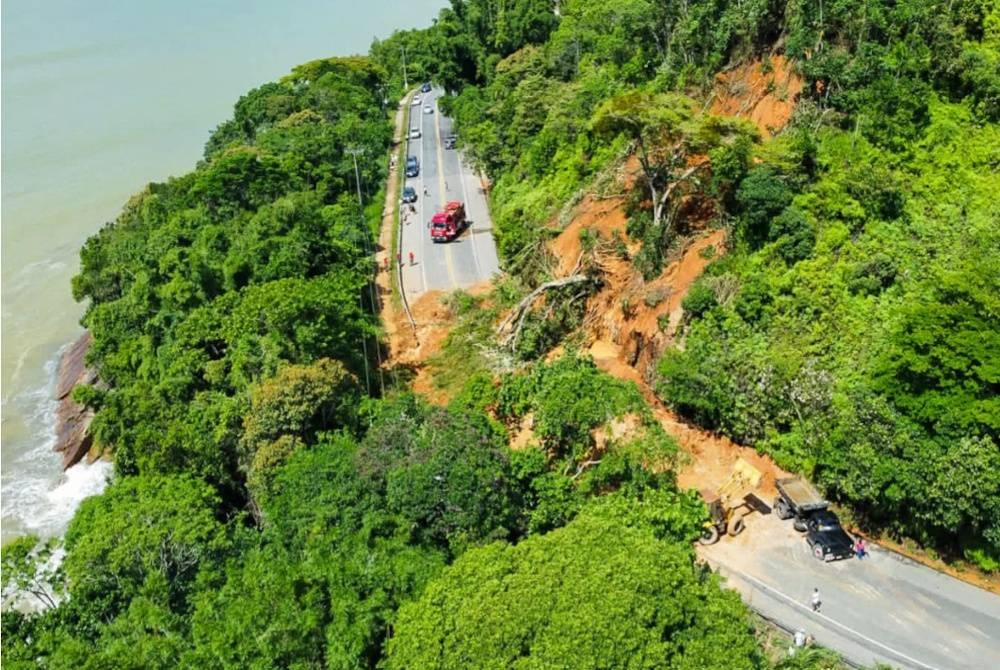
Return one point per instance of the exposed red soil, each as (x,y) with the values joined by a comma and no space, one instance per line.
(631,320)
(412,347)
(434,320)
(750,91)
(524,436)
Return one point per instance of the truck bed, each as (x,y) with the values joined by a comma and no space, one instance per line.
(800,494)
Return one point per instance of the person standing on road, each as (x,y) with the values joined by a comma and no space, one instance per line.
(860,550)
(816,602)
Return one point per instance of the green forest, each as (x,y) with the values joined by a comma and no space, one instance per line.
(282,499)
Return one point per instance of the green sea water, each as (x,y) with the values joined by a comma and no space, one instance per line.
(98,99)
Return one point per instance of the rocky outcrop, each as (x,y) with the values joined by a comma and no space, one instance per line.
(72,419)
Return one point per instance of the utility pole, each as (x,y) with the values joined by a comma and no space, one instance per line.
(406,85)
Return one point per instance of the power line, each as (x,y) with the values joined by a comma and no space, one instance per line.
(355,151)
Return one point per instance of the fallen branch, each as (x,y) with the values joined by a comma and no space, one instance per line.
(583,466)
(520,313)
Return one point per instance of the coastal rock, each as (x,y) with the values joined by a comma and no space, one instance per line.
(73,419)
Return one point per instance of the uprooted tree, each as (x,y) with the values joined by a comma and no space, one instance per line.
(510,328)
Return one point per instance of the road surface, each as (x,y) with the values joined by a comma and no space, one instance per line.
(884,608)
(472,257)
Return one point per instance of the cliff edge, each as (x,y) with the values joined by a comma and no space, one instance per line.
(73,419)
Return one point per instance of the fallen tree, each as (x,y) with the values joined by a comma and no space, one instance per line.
(510,328)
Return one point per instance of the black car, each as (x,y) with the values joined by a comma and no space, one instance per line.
(412,166)
(827,538)
(426,88)
(409,194)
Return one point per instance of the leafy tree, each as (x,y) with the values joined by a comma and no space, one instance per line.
(342,558)
(699,300)
(762,196)
(446,474)
(28,569)
(671,142)
(268,614)
(299,401)
(793,236)
(148,536)
(570,598)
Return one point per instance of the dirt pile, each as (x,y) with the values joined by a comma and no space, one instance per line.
(413,347)
(763,91)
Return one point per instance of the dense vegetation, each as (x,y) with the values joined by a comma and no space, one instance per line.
(852,329)
(279,501)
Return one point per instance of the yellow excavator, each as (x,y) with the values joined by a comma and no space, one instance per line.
(731,502)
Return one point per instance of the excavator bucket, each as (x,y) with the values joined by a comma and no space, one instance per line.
(743,478)
(746,473)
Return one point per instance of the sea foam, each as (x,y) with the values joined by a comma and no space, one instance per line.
(38,497)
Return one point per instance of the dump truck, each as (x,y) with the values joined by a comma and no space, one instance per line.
(799,499)
(734,499)
(448,224)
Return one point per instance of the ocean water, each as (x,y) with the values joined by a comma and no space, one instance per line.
(98,99)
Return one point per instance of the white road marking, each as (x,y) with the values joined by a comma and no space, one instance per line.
(973,629)
(795,603)
(465,199)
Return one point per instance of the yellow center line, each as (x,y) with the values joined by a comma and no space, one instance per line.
(444,197)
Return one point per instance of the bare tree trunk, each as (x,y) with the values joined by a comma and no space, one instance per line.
(660,205)
(520,313)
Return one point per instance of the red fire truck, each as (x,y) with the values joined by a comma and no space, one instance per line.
(446,225)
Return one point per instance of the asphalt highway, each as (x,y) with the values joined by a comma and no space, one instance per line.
(471,257)
(884,608)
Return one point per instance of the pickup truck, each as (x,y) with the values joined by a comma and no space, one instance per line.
(826,537)
(800,499)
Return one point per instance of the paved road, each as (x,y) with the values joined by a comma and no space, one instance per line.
(472,257)
(884,608)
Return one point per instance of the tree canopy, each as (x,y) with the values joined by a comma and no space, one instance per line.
(613,589)
(274,505)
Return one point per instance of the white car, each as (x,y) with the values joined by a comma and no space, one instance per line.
(414,133)
(416,100)
(428,109)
